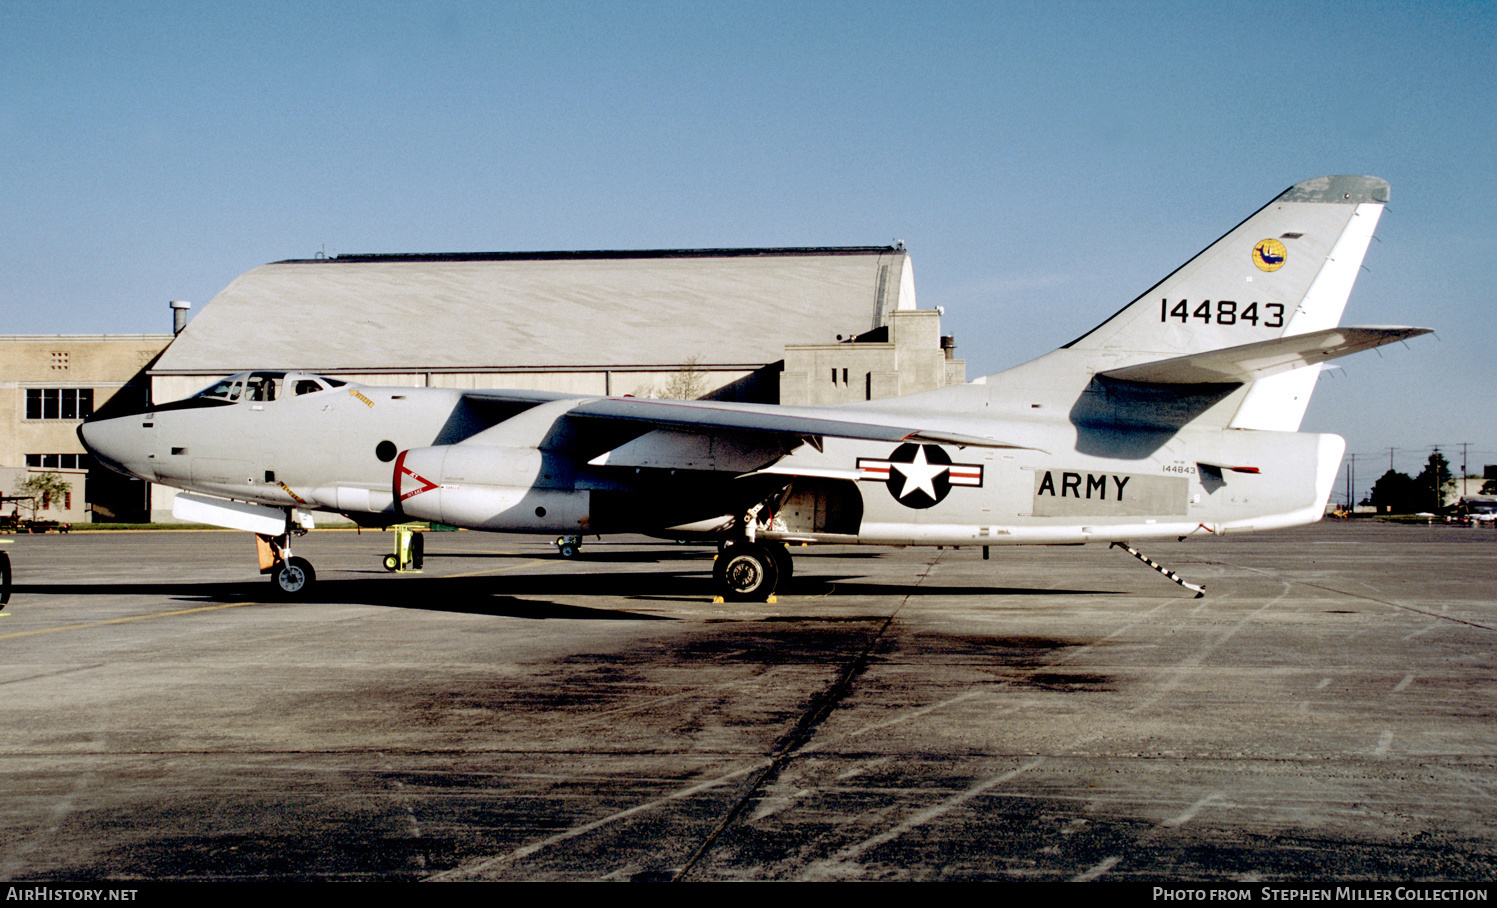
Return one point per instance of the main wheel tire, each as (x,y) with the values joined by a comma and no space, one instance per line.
(4,578)
(746,572)
(418,550)
(782,560)
(293,579)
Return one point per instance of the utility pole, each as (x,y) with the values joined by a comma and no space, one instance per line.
(1439,496)
(1351,471)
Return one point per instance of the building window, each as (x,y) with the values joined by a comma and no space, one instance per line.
(57,461)
(59,403)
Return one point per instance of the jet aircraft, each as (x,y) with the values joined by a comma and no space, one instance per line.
(1177,416)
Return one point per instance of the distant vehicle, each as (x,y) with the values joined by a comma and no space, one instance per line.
(15,523)
(1177,416)
(1478,509)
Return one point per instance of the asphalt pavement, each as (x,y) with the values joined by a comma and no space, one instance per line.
(1325,713)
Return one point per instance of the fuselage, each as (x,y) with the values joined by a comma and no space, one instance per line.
(381,455)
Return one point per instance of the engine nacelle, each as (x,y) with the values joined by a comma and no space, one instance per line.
(521,490)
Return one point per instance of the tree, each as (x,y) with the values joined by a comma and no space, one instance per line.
(1433,482)
(44,489)
(1396,493)
(687,384)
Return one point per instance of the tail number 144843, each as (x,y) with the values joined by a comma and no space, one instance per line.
(1224,312)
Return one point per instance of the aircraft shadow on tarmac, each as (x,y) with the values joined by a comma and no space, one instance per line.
(534,595)
(593,556)
(635,556)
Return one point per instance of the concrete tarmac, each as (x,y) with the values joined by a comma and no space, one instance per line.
(1326,713)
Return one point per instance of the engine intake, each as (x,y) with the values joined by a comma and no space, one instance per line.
(521,490)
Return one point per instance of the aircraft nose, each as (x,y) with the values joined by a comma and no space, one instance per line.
(121,444)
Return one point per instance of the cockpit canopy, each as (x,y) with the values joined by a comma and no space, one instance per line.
(266,386)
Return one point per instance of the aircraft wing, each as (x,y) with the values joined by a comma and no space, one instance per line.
(1250,362)
(708,416)
(519,396)
(764,418)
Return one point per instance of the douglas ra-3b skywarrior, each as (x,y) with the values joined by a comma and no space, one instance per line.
(1177,416)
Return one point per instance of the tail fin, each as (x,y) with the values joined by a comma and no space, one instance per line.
(1286,270)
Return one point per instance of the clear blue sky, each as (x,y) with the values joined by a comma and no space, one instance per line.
(1044,162)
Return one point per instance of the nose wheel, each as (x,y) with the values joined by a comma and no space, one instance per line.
(293,579)
(290,577)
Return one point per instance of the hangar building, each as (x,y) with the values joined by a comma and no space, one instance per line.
(579,322)
(789,325)
(800,325)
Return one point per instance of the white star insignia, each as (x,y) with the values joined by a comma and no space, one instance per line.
(919,474)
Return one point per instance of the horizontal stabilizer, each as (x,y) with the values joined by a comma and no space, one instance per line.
(1251,362)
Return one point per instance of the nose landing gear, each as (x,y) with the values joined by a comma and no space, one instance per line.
(291,577)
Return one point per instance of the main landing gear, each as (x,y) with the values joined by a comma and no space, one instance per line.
(749,571)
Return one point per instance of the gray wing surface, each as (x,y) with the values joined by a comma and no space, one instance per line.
(707,416)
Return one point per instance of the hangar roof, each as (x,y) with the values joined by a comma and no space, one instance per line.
(541,310)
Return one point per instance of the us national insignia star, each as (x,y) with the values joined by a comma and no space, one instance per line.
(919,476)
